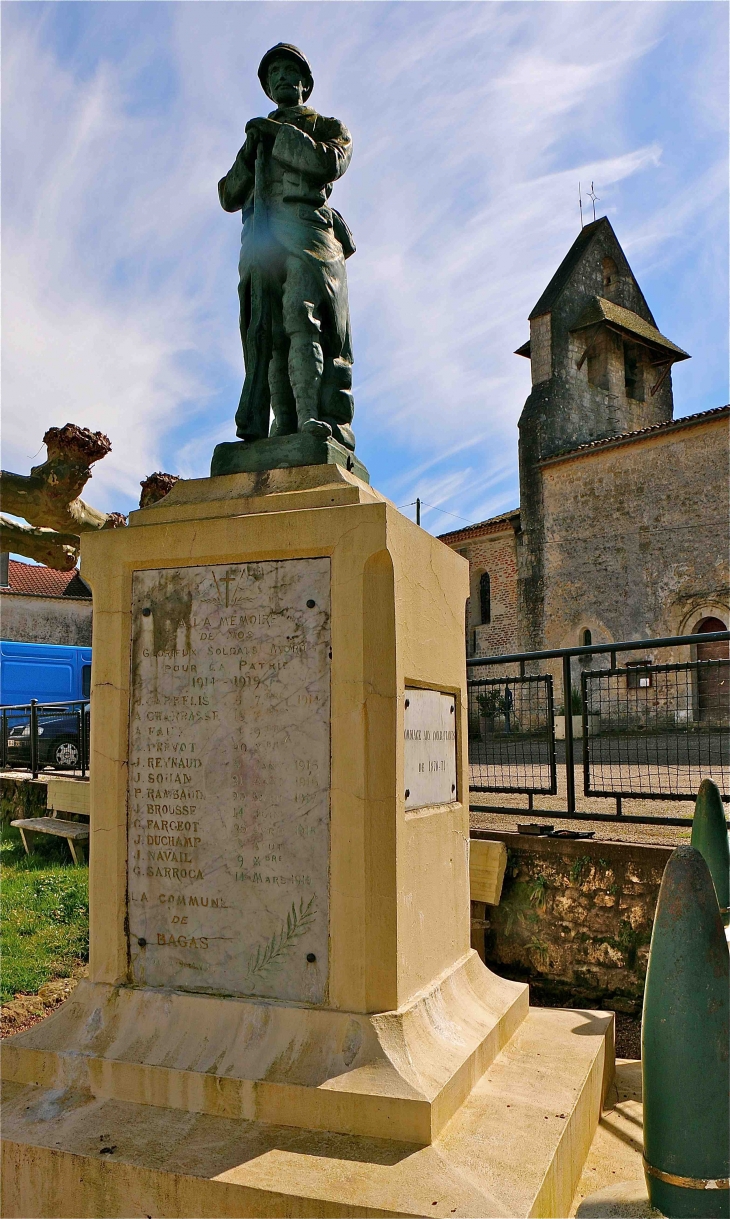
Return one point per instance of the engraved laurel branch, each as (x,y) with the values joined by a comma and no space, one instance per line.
(270,955)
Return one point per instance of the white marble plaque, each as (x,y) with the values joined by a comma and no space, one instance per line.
(229,774)
(429,748)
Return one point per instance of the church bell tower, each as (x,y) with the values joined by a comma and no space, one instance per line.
(600,368)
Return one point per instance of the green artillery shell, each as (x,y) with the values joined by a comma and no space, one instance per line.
(685,1047)
(709,836)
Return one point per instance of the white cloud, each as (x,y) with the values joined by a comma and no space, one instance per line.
(473,124)
(78,344)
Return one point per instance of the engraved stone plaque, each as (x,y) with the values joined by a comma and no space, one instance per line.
(429,748)
(229,773)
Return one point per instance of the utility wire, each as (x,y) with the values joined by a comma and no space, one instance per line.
(454,514)
(412,504)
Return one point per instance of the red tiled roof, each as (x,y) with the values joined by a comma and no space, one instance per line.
(626,437)
(34,580)
(493,525)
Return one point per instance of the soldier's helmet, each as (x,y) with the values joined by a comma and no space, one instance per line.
(285,50)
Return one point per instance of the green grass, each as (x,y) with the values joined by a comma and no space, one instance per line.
(44,914)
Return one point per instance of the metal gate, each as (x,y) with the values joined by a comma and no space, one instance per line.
(643,730)
(512,735)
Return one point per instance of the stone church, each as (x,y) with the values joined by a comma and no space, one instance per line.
(622,528)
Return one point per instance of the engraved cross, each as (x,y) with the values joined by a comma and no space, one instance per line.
(228,579)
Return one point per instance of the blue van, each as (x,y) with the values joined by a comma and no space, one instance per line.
(48,672)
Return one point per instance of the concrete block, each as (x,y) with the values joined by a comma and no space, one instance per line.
(487,863)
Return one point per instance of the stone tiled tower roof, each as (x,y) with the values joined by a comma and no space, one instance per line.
(598,229)
(599,310)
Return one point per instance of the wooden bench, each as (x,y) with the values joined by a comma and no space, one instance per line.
(68,796)
(75,832)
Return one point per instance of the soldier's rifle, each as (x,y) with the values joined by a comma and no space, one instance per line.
(252,416)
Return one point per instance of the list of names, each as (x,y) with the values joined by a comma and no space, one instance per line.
(229,774)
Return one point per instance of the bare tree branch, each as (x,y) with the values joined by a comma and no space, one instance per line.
(57,550)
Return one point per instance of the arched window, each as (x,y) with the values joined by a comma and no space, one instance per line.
(610,273)
(586,638)
(708,625)
(485,597)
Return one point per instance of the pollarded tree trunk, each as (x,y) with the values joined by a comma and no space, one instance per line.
(48,498)
(155,487)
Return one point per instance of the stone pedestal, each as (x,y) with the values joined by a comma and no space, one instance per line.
(302,449)
(283,1013)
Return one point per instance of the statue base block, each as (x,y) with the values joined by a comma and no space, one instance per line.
(515,1147)
(283,452)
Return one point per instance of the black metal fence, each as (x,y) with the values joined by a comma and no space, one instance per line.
(36,735)
(645,730)
(511,735)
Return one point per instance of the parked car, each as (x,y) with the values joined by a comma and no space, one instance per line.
(59,743)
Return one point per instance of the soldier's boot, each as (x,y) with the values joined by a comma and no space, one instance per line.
(306,363)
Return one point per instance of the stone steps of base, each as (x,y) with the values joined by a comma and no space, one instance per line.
(529,1123)
(231,1058)
(515,1148)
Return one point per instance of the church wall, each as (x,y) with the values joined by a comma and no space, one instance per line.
(497,555)
(636,536)
(541,365)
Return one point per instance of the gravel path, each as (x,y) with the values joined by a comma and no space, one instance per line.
(605,831)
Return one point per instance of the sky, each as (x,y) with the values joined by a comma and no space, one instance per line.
(472,124)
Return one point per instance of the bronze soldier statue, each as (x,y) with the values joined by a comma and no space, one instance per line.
(295,320)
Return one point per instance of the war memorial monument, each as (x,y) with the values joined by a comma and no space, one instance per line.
(283,1014)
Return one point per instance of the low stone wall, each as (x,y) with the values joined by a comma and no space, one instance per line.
(575,918)
(21,797)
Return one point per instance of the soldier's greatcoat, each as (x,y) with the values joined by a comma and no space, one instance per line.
(310,152)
